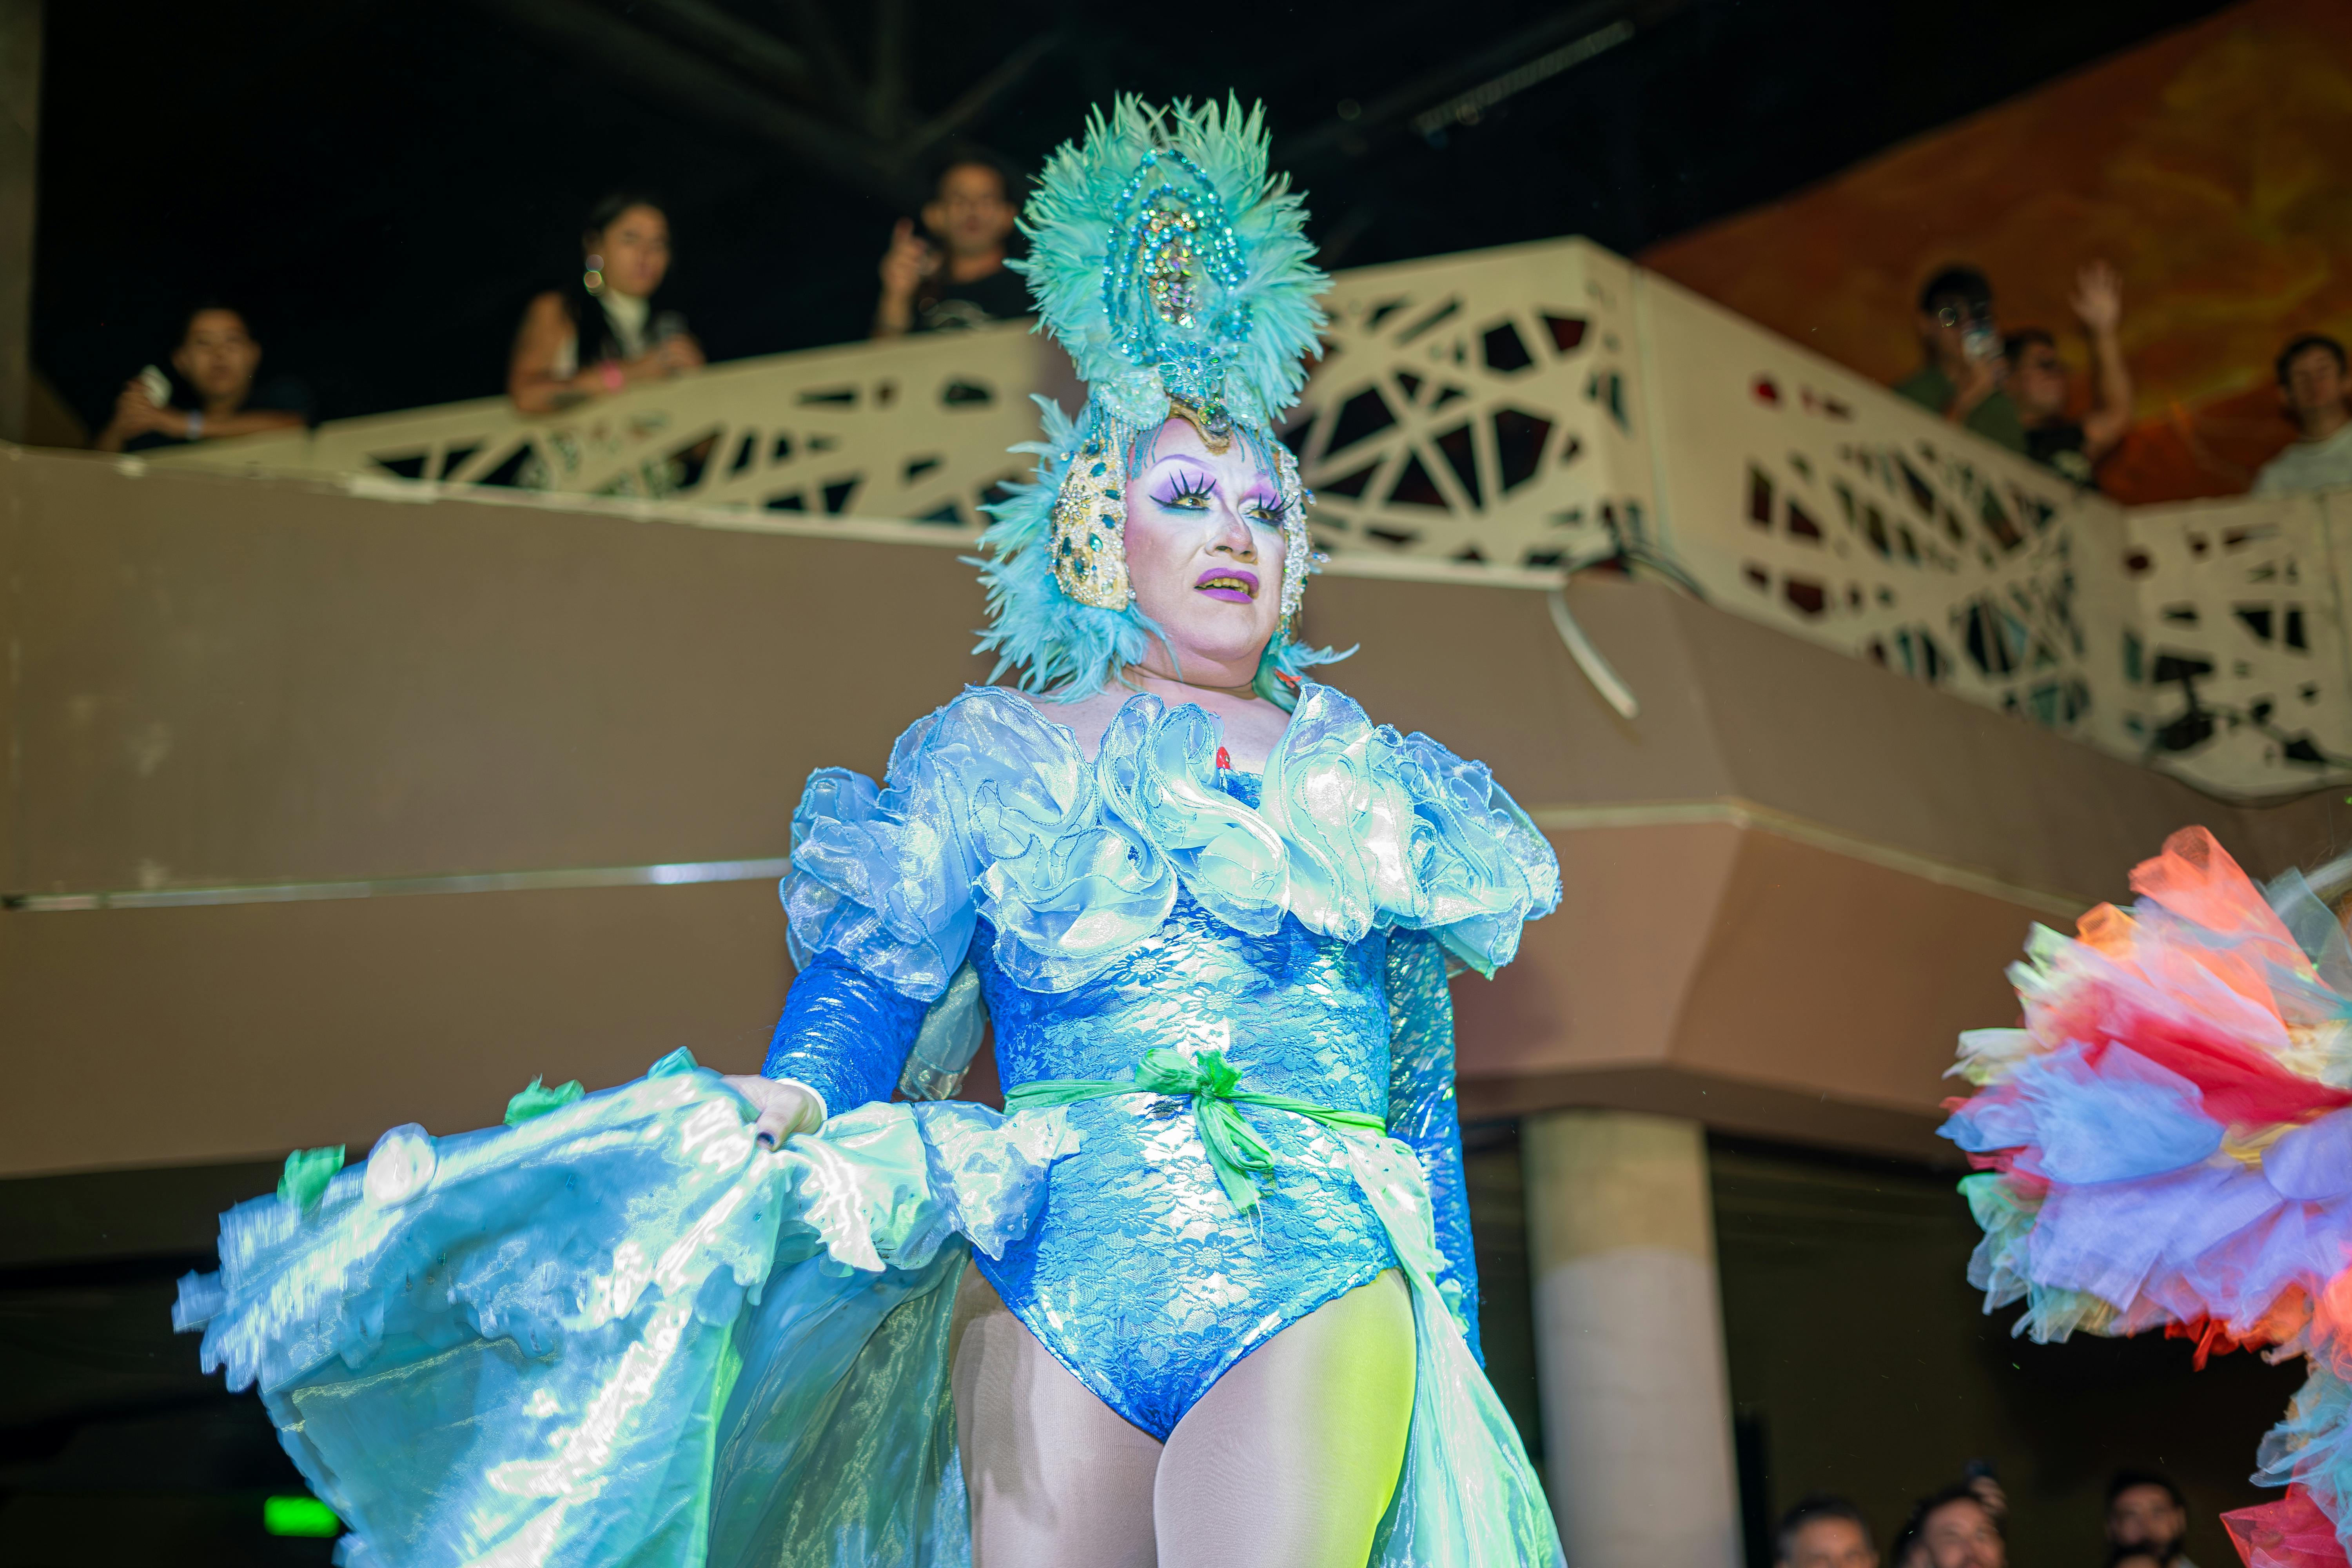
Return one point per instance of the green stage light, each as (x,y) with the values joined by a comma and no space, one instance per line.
(299,1516)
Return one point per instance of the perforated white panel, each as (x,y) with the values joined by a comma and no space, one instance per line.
(916,429)
(2234,668)
(1801,495)
(1543,405)
(1480,408)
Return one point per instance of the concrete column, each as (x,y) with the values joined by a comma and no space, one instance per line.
(20,124)
(1629,1340)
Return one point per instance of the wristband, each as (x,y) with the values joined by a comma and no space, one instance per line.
(611,373)
(195,426)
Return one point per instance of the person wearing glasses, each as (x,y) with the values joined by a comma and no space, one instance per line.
(962,280)
(1965,370)
(2043,388)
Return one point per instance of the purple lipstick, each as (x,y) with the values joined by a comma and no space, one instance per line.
(1228,582)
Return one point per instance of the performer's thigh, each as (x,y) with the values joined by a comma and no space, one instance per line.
(1290,1460)
(1056,1481)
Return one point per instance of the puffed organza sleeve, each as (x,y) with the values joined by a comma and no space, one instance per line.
(1422,1111)
(880,907)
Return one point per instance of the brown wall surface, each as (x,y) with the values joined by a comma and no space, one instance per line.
(2208,165)
(1790,881)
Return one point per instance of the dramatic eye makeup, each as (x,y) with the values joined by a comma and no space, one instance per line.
(1186,488)
(1263,505)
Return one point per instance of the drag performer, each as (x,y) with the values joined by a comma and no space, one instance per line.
(2166,1144)
(1222,1307)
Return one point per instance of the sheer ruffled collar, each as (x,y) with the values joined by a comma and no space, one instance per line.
(1075,860)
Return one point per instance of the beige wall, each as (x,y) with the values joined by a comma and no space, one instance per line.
(1789,882)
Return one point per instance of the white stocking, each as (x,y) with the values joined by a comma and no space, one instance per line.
(1287,1462)
(1290,1460)
(1056,1479)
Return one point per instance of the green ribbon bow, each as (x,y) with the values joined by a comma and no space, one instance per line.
(1237,1153)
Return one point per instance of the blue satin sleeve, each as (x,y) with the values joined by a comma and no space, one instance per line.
(1421,1111)
(845,1033)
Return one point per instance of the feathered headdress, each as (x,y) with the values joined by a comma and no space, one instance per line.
(1178,275)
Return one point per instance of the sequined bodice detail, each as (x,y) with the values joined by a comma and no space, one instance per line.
(1143,1279)
(1148,897)
(1297,1014)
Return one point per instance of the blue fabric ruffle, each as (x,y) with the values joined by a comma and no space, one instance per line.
(623,1332)
(991,810)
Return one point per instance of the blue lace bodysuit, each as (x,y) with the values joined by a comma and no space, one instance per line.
(1298,921)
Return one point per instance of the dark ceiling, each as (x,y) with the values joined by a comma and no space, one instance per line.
(382,185)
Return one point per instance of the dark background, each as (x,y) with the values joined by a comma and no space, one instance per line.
(382,185)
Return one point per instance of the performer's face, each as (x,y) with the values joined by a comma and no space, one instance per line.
(1205,548)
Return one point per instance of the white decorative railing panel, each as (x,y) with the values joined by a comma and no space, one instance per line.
(1483,408)
(1799,494)
(1533,408)
(2236,665)
(916,429)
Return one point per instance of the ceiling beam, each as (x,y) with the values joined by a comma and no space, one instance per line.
(684,82)
(1390,116)
(974,100)
(756,52)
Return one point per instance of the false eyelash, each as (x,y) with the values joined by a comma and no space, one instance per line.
(1188,484)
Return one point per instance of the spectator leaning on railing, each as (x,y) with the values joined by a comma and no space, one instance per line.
(2040,387)
(2312,389)
(1962,378)
(213,396)
(962,281)
(607,331)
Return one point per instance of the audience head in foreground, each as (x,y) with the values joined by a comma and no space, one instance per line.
(1955,1529)
(2146,1513)
(1824,1531)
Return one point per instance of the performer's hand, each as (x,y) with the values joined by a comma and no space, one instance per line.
(784,1108)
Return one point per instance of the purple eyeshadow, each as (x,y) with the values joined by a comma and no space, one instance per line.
(1182,483)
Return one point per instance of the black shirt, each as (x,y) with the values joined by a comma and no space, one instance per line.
(2058,447)
(279,394)
(945,305)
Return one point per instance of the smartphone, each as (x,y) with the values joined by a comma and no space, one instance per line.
(157,385)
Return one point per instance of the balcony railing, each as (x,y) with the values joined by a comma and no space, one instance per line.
(1534,409)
